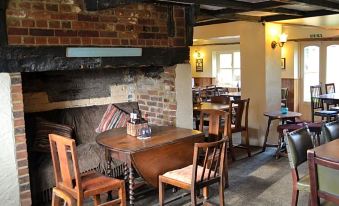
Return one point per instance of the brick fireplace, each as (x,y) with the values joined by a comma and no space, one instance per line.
(38,33)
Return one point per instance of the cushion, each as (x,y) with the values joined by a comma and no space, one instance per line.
(113,118)
(304,183)
(185,174)
(43,129)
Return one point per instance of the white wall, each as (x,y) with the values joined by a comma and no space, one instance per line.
(207,52)
(260,69)
(9,185)
(183,87)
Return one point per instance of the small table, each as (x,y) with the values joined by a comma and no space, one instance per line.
(277,115)
(235,95)
(169,148)
(334,97)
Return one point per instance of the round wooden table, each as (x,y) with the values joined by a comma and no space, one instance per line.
(277,115)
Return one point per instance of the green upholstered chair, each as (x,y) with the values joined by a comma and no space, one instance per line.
(324,181)
(330,131)
(298,142)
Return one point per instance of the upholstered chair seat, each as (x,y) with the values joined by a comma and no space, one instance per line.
(185,174)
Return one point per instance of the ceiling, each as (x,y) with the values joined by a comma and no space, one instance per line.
(322,13)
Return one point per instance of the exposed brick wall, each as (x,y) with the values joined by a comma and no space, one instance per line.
(20,139)
(64,22)
(157,98)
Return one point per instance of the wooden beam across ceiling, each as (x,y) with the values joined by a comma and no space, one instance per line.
(306,15)
(328,5)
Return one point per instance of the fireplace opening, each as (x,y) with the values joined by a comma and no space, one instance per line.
(74,102)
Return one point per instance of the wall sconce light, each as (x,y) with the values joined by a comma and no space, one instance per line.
(282,41)
(198,55)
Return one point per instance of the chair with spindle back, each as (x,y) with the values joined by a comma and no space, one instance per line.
(69,181)
(317,104)
(239,109)
(330,105)
(284,97)
(194,177)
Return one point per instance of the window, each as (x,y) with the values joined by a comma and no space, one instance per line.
(311,70)
(332,70)
(228,66)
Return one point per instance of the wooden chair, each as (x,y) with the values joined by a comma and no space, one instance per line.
(239,110)
(194,177)
(284,96)
(323,179)
(65,163)
(330,105)
(220,99)
(330,131)
(317,104)
(298,142)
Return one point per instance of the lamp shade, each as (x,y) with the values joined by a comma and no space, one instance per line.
(283,38)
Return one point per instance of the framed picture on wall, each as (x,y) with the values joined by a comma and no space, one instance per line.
(283,63)
(199,65)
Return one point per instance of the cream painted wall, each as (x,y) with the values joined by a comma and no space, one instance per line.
(261,72)
(183,85)
(290,52)
(9,185)
(207,52)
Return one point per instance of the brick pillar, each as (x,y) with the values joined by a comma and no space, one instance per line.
(20,139)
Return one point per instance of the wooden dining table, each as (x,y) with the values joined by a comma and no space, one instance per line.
(210,106)
(333,97)
(168,148)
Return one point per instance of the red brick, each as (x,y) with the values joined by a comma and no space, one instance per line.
(38,6)
(25,195)
(65,40)
(66,33)
(146,97)
(153,92)
(29,40)
(13,22)
(86,41)
(120,27)
(108,34)
(75,40)
(20,139)
(22,163)
(21,155)
(143,108)
(19,122)
(88,33)
(124,42)
(111,19)
(17,31)
(54,24)
(173,107)
(65,8)
(179,12)
(16,88)
(52,7)
(41,32)
(41,40)
(17,97)
(115,41)
(53,40)
(11,5)
(23,171)
(66,24)
(25,5)
(85,17)
(26,202)
(27,23)
(41,23)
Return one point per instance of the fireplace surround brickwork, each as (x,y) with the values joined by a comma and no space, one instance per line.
(38,23)
(65,22)
(20,139)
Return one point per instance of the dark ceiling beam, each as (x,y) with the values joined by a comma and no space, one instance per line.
(212,21)
(328,5)
(106,4)
(268,4)
(220,3)
(207,14)
(307,14)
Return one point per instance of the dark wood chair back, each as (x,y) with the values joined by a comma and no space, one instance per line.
(239,110)
(213,164)
(323,179)
(220,99)
(316,103)
(65,163)
(215,117)
(284,96)
(330,131)
(329,88)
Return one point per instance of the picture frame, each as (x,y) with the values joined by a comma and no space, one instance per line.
(199,65)
(283,63)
